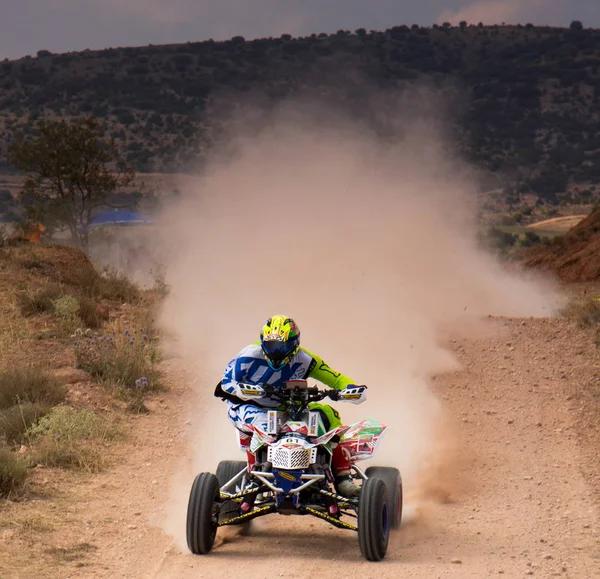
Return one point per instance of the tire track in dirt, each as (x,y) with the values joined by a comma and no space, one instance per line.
(514,500)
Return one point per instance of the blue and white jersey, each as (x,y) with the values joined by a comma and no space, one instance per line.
(250,367)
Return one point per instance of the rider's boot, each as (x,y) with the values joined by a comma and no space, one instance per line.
(341,471)
(345,487)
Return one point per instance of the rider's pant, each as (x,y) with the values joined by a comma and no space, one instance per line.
(241,415)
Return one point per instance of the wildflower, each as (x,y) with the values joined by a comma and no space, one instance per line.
(141,383)
(132,341)
(127,333)
(145,337)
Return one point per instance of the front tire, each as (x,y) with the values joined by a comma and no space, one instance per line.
(202,513)
(393,484)
(373,520)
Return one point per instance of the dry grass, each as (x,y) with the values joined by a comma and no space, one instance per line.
(13,473)
(126,363)
(33,523)
(75,552)
(59,285)
(29,384)
(46,292)
(40,301)
(13,329)
(16,420)
(90,315)
(585,310)
(108,285)
(73,439)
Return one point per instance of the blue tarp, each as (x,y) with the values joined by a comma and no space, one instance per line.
(118,217)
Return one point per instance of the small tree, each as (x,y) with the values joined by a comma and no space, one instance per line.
(576,26)
(70,169)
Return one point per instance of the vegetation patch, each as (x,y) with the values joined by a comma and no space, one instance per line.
(29,384)
(13,473)
(108,284)
(72,439)
(125,363)
(40,301)
(66,309)
(17,419)
(69,554)
(585,310)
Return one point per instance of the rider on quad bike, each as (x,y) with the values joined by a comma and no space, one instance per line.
(274,360)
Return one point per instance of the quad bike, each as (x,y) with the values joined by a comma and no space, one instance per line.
(292,476)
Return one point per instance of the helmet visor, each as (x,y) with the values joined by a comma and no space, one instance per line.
(277,350)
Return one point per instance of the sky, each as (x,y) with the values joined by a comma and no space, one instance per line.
(27,26)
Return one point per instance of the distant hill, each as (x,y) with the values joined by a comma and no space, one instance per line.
(525,99)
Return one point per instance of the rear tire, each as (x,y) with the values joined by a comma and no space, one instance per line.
(393,484)
(201,513)
(373,520)
(226,470)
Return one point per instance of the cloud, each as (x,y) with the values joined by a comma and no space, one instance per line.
(551,12)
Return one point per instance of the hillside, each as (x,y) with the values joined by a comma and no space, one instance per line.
(523,99)
(573,257)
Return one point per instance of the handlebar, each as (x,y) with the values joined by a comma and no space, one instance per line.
(312,393)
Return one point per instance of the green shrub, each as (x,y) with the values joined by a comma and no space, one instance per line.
(29,384)
(12,473)
(72,439)
(68,454)
(16,420)
(67,423)
(66,309)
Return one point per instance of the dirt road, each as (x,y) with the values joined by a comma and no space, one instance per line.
(521,502)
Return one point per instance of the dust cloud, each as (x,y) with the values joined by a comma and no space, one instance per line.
(368,243)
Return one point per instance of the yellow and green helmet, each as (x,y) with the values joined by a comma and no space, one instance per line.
(279,340)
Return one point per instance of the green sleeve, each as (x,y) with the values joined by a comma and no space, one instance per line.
(320,371)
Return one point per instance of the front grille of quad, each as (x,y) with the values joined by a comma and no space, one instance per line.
(289,459)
